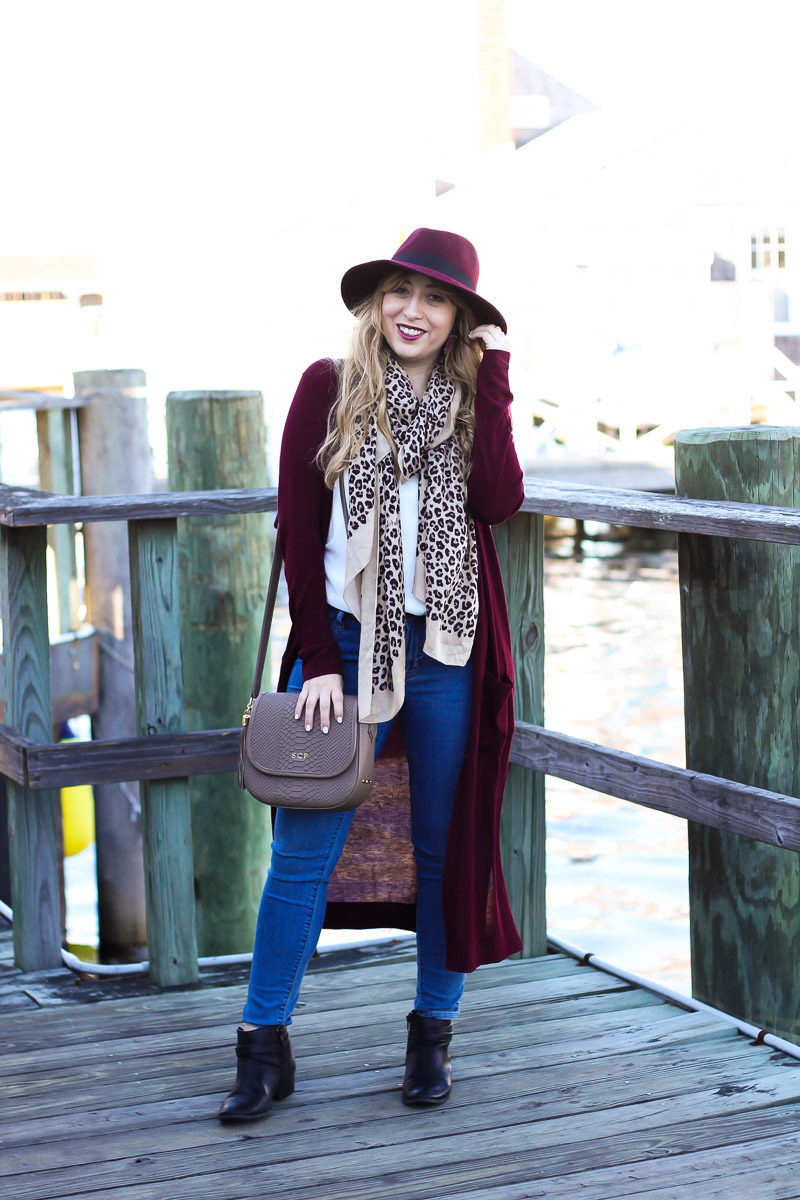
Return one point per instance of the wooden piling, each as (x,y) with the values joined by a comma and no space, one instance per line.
(166,819)
(217,440)
(33,823)
(57,473)
(740,610)
(520,546)
(115,458)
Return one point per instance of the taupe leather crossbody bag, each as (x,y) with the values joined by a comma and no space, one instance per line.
(283,764)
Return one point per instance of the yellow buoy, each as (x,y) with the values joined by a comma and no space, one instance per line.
(77,816)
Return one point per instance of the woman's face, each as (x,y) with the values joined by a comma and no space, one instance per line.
(416,320)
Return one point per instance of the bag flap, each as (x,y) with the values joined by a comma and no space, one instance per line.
(277,744)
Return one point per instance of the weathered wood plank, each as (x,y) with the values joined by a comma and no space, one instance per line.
(558,1087)
(648,510)
(13,748)
(73,676)
(37,401)
(520,546)
(753,1169)
(220,1004)
(720,1173)
(23,506)
(200,1059)
(171,755)
(118,1100)
(194,1101)
(396,1141)
(33,819)
(477,1103)
(605,1034)
(767,816)
(166,817)
(535,1173)
(725,804)
(169,1010)
(367,1026)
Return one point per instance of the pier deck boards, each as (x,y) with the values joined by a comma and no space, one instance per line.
(568,1083)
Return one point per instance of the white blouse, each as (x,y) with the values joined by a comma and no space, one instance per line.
(335,547)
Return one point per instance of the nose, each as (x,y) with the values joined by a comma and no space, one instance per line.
(413,305)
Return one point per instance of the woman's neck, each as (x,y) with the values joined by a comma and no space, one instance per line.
(418,377)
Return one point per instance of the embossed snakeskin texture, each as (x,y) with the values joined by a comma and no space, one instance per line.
(288,766)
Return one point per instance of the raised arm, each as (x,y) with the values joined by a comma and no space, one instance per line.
(495,487)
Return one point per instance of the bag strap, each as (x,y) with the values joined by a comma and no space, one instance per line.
(269,608)
(266,624)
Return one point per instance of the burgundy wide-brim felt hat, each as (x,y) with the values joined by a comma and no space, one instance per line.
(447,257)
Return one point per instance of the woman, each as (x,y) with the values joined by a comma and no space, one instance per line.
(394,463)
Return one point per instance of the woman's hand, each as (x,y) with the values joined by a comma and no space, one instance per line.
(325,690)
(492,337)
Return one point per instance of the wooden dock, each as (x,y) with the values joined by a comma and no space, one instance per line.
(568,1083)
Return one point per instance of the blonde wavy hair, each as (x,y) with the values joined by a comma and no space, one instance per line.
(362,390)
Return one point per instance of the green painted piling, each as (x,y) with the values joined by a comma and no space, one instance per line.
(166,818)
(33,817)
(520,546)
(217,440)
(740,611)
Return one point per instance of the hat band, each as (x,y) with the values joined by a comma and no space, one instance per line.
(417,258)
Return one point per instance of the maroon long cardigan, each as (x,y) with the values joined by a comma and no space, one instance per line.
(374,883)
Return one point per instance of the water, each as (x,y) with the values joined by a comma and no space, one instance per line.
(616,873)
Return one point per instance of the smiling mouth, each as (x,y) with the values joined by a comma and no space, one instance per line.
(409,333)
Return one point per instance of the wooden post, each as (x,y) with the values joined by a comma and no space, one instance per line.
(57,474)
(740,610)
(115,458)
(217,440)
(32,816)
(166,816)
(520,545)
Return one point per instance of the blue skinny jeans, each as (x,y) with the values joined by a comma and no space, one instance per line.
(306,845)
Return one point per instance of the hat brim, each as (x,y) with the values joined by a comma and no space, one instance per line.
(361,281)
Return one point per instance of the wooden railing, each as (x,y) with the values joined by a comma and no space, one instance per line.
(163,756)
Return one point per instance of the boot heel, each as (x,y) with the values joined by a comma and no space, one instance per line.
(285,1088)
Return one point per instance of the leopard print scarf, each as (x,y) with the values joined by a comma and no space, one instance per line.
(446,573)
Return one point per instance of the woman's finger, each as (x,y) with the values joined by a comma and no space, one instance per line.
(311,704)
(325,710)
(301,700)
(337,696)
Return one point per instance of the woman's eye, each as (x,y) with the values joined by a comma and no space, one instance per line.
(435,297)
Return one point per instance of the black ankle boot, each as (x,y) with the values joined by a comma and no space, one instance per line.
(428,1070)
(265,1072)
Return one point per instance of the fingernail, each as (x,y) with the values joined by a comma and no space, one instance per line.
(308,728)
(339,719)
(324,728)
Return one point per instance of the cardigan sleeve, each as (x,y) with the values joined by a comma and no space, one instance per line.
(495,487)
(303,504)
